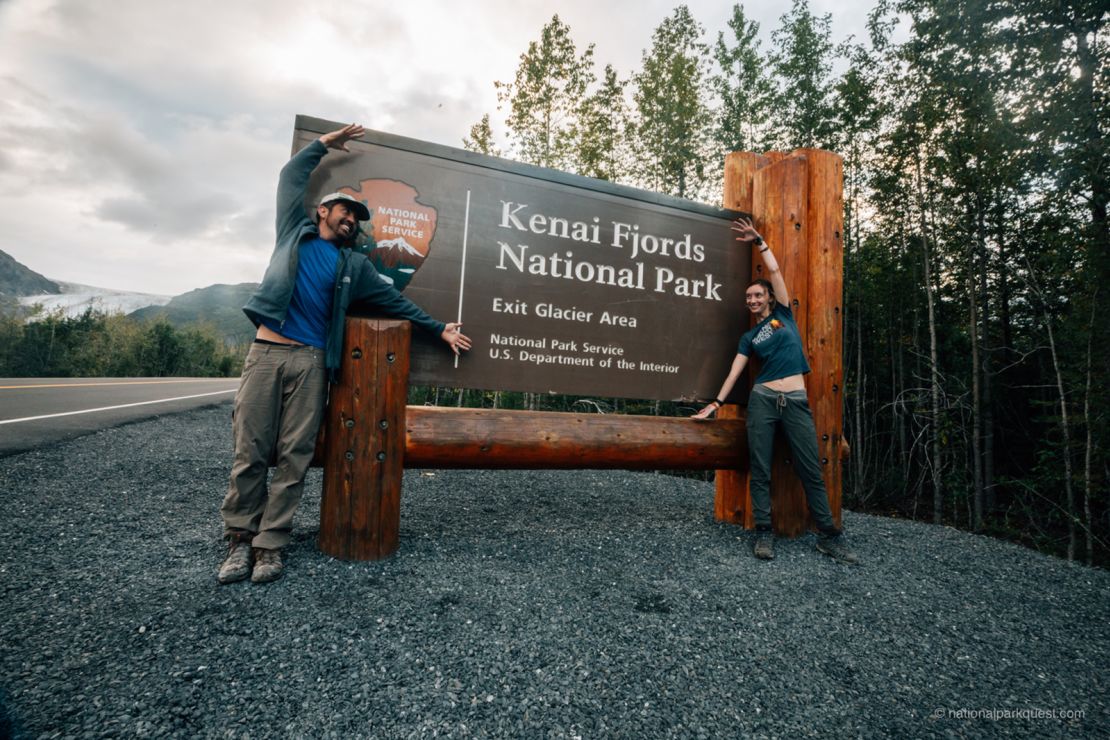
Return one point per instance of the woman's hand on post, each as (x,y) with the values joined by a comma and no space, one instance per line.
(706,412)
(455,338)
(745,231)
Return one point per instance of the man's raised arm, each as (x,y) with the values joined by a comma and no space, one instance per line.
(294,176)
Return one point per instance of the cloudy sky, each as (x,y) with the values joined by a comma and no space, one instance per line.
(140,140)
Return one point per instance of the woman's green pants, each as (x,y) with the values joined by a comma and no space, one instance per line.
(766,409)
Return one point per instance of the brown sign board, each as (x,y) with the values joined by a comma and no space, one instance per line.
(565,284)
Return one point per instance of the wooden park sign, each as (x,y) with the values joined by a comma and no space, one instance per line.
(574,286)
(566,284)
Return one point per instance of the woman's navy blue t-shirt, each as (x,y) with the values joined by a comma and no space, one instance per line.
(778,345)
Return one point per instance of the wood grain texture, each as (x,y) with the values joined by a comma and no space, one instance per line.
(739,169)
(732,502)
(824,335)
(364,444)
(489,438)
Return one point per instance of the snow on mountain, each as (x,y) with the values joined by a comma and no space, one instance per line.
(394,252)
(75,299)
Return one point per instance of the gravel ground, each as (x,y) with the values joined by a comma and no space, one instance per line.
(521,604)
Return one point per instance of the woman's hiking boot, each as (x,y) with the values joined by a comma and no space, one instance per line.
(764,547)
(837,549)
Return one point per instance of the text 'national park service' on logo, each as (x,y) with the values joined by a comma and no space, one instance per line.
(399,234)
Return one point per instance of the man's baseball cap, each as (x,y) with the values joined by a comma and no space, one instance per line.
(358,207)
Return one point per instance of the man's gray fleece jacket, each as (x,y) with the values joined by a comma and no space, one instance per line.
(356,278)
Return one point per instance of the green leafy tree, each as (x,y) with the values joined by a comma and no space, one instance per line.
(11,333)
(96,344)
(802,65)
(481,138)
(674,120)
(546,95)
(743,87)
(603,123)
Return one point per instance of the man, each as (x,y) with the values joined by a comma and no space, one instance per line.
(299,310)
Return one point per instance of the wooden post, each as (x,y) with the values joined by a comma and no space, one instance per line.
(824,338)
(733,502)
(796,201)
(360,511)
(780,195)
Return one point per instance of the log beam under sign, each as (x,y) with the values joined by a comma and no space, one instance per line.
(488,438)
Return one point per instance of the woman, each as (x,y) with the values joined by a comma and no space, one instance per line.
(779,395)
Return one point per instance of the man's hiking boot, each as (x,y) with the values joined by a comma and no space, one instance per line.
(267,566)
(837,548)
(237,564)
(764,547)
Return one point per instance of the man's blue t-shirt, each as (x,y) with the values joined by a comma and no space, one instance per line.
(778,345)
(310,308)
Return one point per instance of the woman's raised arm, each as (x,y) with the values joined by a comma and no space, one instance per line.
(746,233)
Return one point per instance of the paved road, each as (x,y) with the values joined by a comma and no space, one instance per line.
(37,411)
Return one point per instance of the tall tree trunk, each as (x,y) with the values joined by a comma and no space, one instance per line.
(1004,292)
(1065,432)
(987,409)
(934,374)
(934,369)
(1090,434)
(976,419)
(1098,179)
(903,449)
(852,248)
(895,417)
(858,444)
(916,370)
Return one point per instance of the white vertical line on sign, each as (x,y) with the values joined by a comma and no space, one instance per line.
(462,272)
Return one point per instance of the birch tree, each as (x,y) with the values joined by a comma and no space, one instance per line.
(743,87)
(545,96)
(670,97)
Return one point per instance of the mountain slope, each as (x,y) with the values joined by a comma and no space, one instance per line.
(17,279)
(219,305)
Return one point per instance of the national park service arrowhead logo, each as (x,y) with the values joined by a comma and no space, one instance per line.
(399,234)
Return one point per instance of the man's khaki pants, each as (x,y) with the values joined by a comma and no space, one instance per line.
(276,417)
